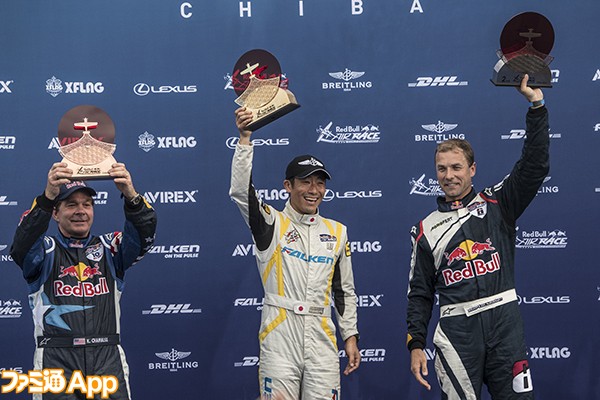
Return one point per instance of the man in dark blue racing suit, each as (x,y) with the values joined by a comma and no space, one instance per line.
(75,279)
(464,251)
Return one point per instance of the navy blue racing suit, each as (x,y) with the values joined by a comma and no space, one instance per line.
(464,251)
(75,287)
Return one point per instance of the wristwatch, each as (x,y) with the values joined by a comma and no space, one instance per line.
(135,200)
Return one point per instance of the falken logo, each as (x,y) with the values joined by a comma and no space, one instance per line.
(177,251)
(173,197)
(421,187)
(438,133)
(244,250)
(347,77)
(597,127)
(556,239)
(302,256)
(367,355)
(7,142)
(547,188)
(173,361)
(555,75)
(146,142)
(5,86)
(544,299)
(4,202)
(352,194)
(143,89)
(249,302)
(368,300)
(101,198)
(518,134)
(349,134)
(54,87)
(5,257)
(248,361)
(160,309)
(428,81)
(233,141)
(10,309)
(596,75)
(549,352)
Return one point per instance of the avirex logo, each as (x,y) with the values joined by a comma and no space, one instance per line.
(178,196)
(368,300)
(244,250)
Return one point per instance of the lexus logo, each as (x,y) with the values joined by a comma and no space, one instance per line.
(141,89)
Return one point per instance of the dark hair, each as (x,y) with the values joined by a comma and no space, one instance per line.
(456,144)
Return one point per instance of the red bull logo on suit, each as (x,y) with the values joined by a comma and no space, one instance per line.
(469,251)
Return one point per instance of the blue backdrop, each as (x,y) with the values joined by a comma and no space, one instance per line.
(161,70)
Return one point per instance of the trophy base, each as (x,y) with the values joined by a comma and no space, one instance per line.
(504,75)
(283,103)
(89,172)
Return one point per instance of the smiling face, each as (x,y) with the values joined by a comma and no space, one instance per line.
(454,173)
(306,193)
(75,215)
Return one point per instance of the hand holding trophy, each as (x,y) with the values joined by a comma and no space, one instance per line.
(89,153)
(257,80)
(525,45)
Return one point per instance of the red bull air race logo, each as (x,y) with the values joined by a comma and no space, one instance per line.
(83,288)
(469,251)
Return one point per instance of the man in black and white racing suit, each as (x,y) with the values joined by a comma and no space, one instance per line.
(303,260)
(464,251)
(76,279)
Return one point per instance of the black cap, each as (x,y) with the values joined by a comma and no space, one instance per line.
(303,166)
(68,189)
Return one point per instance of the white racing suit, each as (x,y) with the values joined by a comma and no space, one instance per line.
(304,261)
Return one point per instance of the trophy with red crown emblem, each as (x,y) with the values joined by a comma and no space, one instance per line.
(525,45)
(86,135)
(262,88)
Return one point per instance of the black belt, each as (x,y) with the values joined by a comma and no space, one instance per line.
(72,341)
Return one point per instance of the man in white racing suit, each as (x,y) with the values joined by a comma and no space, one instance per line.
(304,262)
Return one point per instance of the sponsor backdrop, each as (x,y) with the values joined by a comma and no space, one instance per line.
(380,82)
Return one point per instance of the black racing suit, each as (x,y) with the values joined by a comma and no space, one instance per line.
(75,287)
(464,251)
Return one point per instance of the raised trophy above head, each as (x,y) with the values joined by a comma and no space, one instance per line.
(525,45)
(261,88)
(87,136)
